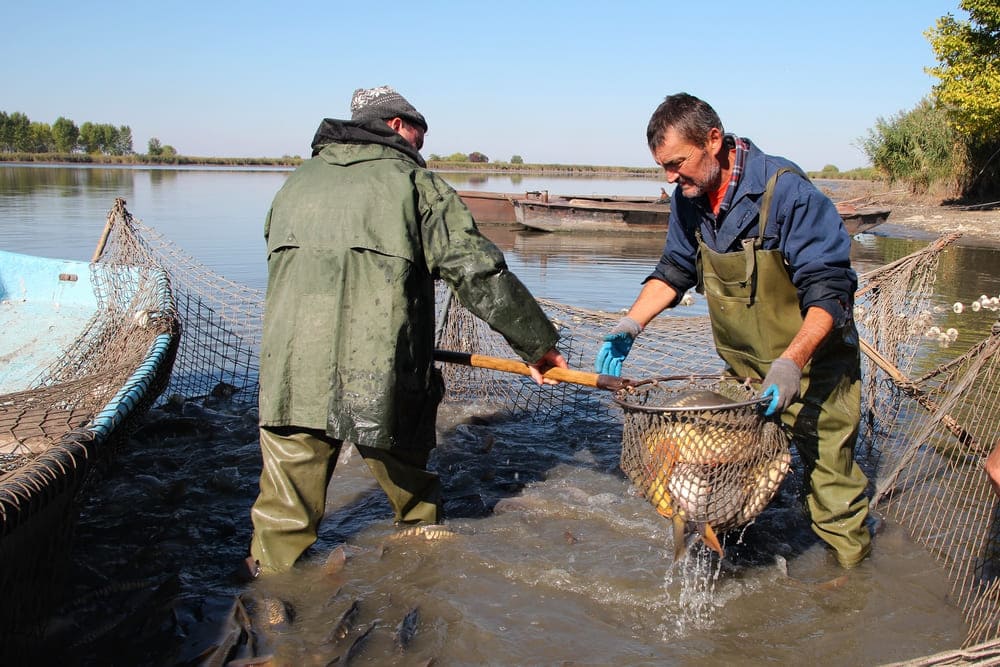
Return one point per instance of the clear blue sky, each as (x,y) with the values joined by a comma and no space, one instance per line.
(564,82)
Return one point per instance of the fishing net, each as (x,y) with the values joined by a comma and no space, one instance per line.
(922,439)
(67,420)
(699,447)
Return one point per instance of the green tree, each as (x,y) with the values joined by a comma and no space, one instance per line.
(19,132)
(517,159)
(457,157)
(122,144)
(169,151)
(40,138)
(154,147)
(476,156)
(434,157)
(90,138)
(918,147)
(969,69)
(65,134)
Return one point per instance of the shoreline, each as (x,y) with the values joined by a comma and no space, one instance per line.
(928,215)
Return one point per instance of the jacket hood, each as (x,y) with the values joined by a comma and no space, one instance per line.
(333,131)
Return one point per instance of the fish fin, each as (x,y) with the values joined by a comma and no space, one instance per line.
(710,539)
(680,533)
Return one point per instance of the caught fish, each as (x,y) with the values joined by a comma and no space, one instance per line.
(335,561)
(699,398)
(356,646)
(236,636)
(277,613)
(429,532)
(406,629)
(765,480)
(346,622)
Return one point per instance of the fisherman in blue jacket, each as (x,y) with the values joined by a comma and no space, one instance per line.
(772,256)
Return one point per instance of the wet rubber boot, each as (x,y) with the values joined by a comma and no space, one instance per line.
(413,491)
(297,468)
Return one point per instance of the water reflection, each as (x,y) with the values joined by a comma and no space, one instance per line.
(18,181)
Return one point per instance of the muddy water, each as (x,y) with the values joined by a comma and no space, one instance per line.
(551,557)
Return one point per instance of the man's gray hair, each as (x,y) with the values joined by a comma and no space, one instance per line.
(691,117)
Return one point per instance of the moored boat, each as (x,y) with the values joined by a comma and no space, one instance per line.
(862,220)
(611,213)
(489,207)
(498,207)
(87,347)
(593,214)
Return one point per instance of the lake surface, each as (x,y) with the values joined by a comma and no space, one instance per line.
(554,559)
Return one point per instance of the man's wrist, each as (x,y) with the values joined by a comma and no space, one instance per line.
(629,326)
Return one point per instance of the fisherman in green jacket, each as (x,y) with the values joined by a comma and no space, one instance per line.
(355,239)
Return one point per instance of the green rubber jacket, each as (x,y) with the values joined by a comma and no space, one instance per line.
(355,239)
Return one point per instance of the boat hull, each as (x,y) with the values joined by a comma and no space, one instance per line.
(593,216)
(489,207)
(610,214)
(57,430)
(862,220)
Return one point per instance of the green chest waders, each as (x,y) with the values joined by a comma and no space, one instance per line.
(755,314)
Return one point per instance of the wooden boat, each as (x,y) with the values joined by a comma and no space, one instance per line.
(593,214)
(489,207)
(498,207)
(624,216)
(86,348)
(611,213)
(862,220)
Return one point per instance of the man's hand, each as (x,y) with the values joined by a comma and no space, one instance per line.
(782,385)
(548,360)
(616,347)
(993,467)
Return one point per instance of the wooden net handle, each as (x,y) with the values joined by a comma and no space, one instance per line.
(609,382)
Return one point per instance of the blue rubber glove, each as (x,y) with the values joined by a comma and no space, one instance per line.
(616,347)
(782,385)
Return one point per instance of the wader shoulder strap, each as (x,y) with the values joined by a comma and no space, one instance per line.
(765,202)
(752,245)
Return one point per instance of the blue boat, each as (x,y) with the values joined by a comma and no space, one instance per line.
(85,349)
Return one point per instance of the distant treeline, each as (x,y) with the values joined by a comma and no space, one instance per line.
(24,140)
(19,134)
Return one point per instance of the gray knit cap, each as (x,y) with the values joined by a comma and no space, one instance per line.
(383,103)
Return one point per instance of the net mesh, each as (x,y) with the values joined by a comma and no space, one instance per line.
(699,447)
(922,439)
(65,426)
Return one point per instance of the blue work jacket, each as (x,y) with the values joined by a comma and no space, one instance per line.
(804,225)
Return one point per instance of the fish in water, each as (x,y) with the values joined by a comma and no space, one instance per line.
(356,646)
(346,622)
(406,629)
(335,561)
(429,532)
